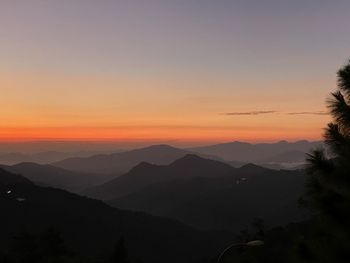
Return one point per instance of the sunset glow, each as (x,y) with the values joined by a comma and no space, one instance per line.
(170,73)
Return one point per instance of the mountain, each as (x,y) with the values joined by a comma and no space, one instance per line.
(145,174)
(7,178)
(291,160)
(122,162)
(235,164)
(10,158)
(91,228)
(282,151)
(287,157)
(56,177)
(226,201)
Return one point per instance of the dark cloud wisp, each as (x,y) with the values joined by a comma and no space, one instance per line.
(253,113)
(308,113)
(250,113)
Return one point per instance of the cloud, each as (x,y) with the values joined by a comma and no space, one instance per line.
(253,113)
(250,113)
(308,113)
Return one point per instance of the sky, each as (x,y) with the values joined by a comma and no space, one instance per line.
(170,71)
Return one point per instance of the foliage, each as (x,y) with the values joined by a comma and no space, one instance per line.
(329,183)
(326,237)
(49,247)
(328,187)
(120,253)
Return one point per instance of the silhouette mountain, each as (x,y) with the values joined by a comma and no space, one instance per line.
(7,178)
(49,175)
(11,158)
(288,156)
(225,201)
(91,228)
(119,163)
(145,174)
(257,153)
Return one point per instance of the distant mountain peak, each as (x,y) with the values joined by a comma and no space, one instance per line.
(7,178)
(160,147)
(257,152)
(190,158)
(232,143)
(142,167)
(144,164)
(195,162)
(122,162)
(251,166)
(27,164)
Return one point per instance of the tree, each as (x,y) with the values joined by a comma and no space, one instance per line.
(47,247)
(120,253)
(328,185)
(24,248)
(52,247)
(324,238)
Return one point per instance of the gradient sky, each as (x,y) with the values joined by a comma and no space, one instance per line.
(189,71)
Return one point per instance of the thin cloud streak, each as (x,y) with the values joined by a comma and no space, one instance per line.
(308,113)
(250,113)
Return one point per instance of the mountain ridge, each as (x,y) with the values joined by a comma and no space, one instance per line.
(91,227)
(227,202)
(54,176)
(145,174)
(122,162)
(256,153)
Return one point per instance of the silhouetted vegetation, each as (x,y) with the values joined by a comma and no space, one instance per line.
(90,228)
(45,247)
(49,247)
(328,187)
(120,253)
(326,237)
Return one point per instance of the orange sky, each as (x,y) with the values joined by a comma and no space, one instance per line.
(43,106)
(161,134)
(165,71)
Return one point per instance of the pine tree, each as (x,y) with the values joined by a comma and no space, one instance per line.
(329,176)
(328,186)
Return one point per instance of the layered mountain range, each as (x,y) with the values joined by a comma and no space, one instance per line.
(91,228)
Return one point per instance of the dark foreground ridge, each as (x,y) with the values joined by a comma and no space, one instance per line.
(92,228)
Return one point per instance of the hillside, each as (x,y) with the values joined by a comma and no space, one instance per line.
(261,152)
(44,157)
(49,175)
(7,178)
(146,174)
(91,227)
(122,162)
(226,201)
